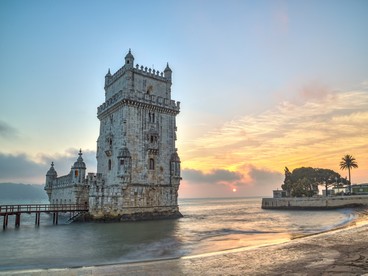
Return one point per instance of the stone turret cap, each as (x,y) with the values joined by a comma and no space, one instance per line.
(175,157)
(108,73)
(124,153)
(51,171)
(79,164)
(167,69)
(129,55)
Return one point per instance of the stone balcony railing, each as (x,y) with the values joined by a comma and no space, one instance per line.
(140,97)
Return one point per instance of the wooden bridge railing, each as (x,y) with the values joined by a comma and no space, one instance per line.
(17,210)
(43,208)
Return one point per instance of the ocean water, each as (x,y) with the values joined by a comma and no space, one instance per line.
(208,225)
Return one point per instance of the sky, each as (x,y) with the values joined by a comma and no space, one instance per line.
(263,85)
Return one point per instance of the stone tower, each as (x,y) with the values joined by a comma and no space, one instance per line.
(138,167)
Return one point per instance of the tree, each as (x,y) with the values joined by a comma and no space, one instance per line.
(348,162)
(288,183)
(305,181)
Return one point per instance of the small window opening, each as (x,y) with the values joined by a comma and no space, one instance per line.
(151,164)
(109,164)
(122,162)
(76,173)
(151,117)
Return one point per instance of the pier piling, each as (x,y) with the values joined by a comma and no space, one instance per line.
(17,219)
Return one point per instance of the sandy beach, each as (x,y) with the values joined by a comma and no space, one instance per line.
(339,252)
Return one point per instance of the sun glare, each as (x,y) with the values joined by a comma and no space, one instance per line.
(234,190)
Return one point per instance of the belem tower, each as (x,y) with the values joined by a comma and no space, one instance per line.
(138,167)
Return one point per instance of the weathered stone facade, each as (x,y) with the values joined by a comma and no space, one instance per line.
(138,168)
(68,189)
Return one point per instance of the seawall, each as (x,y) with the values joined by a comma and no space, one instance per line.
(318,203)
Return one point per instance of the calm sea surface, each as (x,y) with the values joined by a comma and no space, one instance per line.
(209,225)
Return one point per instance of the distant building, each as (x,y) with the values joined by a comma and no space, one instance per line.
(279,193)
(138,167)
(330,192)
(360,189)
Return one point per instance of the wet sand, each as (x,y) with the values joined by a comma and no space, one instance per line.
(339,252)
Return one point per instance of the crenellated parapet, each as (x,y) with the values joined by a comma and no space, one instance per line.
(62,181)
(142,70)
(148,72)
(140,98)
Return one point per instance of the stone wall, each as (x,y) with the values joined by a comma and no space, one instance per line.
(314,202)
(69,194)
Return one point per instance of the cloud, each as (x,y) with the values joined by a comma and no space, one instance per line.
(215,176)
(19,168)
(263,177)
(220,182)
(7,131)
(364,84)
(63,161)
(315,132)
(25,169)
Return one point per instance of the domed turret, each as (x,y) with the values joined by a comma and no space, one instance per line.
(175,165)
(175,157)
(79,164)
(129,60)
(79,169)
(51,172)
(51,175)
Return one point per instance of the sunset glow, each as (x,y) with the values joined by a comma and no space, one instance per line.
(263,85)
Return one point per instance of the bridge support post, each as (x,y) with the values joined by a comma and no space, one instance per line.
(5,221)
(37,220)
(17,220)
(55,218)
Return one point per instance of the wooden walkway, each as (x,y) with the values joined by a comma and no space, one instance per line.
(55,209)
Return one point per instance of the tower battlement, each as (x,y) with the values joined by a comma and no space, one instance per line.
(139,97)
(145,71)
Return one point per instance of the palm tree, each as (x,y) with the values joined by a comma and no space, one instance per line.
(348,162)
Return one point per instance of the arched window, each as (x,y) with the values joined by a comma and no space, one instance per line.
(151,164)
(109,164)
(76,173)
(151,117)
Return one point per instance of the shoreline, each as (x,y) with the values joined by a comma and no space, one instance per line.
(341,250)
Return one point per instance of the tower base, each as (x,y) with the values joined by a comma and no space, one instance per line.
(137,214)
